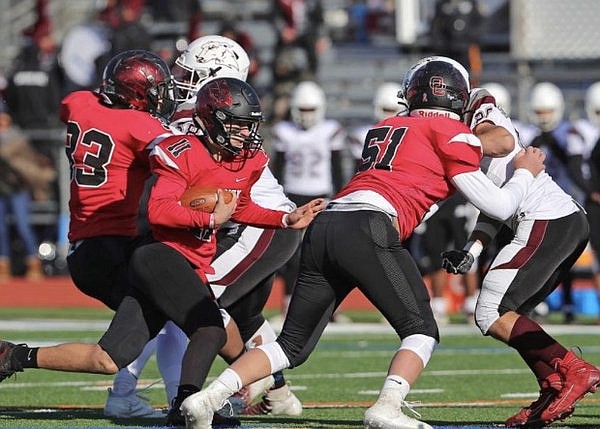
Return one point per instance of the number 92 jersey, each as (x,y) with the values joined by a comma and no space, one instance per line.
(410,161)
(108,152)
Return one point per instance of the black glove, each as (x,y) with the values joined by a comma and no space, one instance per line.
(457,261)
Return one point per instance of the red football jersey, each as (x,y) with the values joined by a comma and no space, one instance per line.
(181,162)
(410,162)
(108,152)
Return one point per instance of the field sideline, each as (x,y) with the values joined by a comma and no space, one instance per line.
(471,381)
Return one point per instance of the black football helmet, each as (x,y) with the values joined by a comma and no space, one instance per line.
(140,80)
(437,83)
(222,104)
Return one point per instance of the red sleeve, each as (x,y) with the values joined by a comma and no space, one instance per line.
(459,149)
(250,213)
(163,205)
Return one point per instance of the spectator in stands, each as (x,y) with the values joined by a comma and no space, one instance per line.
(301,38)
(35,84)
(455,31)
(23,171)
(126,31)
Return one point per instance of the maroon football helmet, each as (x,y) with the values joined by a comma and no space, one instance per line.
(139,80)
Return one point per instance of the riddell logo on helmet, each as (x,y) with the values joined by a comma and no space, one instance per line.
(437,85)
(430,113)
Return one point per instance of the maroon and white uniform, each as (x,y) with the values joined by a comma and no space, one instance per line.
(526,270)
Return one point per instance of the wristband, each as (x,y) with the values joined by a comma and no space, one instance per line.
(284,220)
(474,248)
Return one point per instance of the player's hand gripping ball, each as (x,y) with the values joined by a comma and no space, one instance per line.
(204,198)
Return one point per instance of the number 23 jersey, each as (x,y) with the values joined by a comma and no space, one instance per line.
(108,151)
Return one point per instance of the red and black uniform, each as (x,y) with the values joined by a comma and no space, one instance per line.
(108,152)
(169,271)
(178,167)
(407,164)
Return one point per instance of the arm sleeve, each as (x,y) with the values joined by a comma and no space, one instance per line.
(498,203)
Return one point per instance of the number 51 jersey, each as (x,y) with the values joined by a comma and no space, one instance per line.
(410,161)
(108,151)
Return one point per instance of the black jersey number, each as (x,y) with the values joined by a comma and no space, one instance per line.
(380,148)
(89,154)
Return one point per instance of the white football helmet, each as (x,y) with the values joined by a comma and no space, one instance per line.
(307,104)
(501,94)
(208,57)
(387,101)
(547,106)
(592,103)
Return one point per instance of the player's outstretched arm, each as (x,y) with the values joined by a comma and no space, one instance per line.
(303,215)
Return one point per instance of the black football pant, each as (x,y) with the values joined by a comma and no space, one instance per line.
(343,250)
(166,287)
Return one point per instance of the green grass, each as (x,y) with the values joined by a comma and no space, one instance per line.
(471,381)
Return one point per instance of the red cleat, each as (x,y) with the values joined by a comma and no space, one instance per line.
(579,378)
(550,388)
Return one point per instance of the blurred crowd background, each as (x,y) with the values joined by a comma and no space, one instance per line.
(349,47)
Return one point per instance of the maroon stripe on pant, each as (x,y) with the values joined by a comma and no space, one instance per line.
(533,243)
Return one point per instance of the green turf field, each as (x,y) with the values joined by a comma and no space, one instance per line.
(471,381)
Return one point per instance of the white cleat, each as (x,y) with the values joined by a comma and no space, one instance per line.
(199,408)
(387,413)
(279,401)
(283,401)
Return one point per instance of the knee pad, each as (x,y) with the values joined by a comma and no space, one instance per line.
(276,355)
(422,345)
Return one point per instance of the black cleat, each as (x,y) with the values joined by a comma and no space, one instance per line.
(175,418)
(219,421)
(8,364)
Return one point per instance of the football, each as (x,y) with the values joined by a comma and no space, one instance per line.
(203,198)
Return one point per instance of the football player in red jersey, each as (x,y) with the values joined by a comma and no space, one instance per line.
(227,153)
(408,164)
(109,137)
(169,271)
(244,264)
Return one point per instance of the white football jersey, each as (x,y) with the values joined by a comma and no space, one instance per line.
(590,134)
(545,200)
(308,155)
